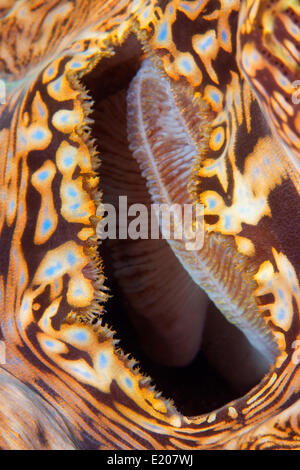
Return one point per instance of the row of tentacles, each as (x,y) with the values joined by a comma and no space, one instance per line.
(71,387)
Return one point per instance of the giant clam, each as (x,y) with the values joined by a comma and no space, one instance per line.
(164,101)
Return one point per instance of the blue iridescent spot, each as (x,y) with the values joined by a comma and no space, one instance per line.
(212,203)
(185,7)
(102,361)
(215,97)
(72,192)
(281,314)
(23,139)
(163,33)
(50,71)
(80,336)
(295,290)
(82,214)
(68,161)
(38,134)
(224,36)
(280,293)
(244,210)
(206,44)
(186,65)
(267,161)
(49,343)
(128,382)
(76,65)
(41,110)
(153,426)
(78,292)
(57,84)
(46,225)
(64,118)
(71,258)
(255,56)
(246,61)
(12,206)
(227,222)
(50,271)
(218,137)
(43,175)
(284,81)
(83,373)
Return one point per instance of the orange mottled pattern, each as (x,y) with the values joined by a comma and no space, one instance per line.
(269,55)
